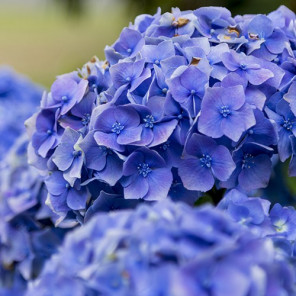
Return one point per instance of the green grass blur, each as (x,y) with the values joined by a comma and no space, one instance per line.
(45,42)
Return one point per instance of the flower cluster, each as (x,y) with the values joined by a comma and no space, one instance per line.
(173,249)
(27,235)
(19,99)
(184,101)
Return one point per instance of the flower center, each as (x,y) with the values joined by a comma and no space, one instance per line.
(149,121)
(225,111)
(243,66)
(106,151)
(166,146)
(248,161)
(164,90)
(144,169)
(117,128)
(206,160)
(76,153)
(85,119)
(280,226)
(49,132)
(254,36)
(288,125)
(64,98)
(129,50)
(156,62)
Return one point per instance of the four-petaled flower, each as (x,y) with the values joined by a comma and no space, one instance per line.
(146,176)
(204,161)
(224,112)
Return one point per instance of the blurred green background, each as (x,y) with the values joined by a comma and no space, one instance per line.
(43,38)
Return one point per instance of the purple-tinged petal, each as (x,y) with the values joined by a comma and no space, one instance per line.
(277,42)
(222,163)
(260,25)
(76,167)
(58,203)
(233,97)
(63,156)
(95,156)
(76,199)
(47,144)
(258,175)
(258,76)
(162,131)
(134,158)
(210,123)
(108,140)
(128,136)
(55,183)
(159,181)
(284,145)
(230,61)
(112,171)
(198,145)
(137,189)
(195,176)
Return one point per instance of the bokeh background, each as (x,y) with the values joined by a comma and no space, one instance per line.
(43,38)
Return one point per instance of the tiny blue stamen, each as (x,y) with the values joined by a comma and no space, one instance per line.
(193,91)
(149,121)
(276,60)
(128,79)
(166,146)
(64,98)
(76,153)
(85,119)
(129,50)
(144,169)
(156,62)
(248,161)
(288,125)
(164,90)
(49,132)
(225,111)
(206,160)
(117,128)
(106,151)
(243,66)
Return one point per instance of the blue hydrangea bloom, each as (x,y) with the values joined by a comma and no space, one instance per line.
(15,90)
(205,161)
(224,112)
(146,175)
(27,233)
(167,249)
(227,82)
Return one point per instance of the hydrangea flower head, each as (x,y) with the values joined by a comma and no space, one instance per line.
(185,101)
(27,233)
(15,90)
(166,249)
